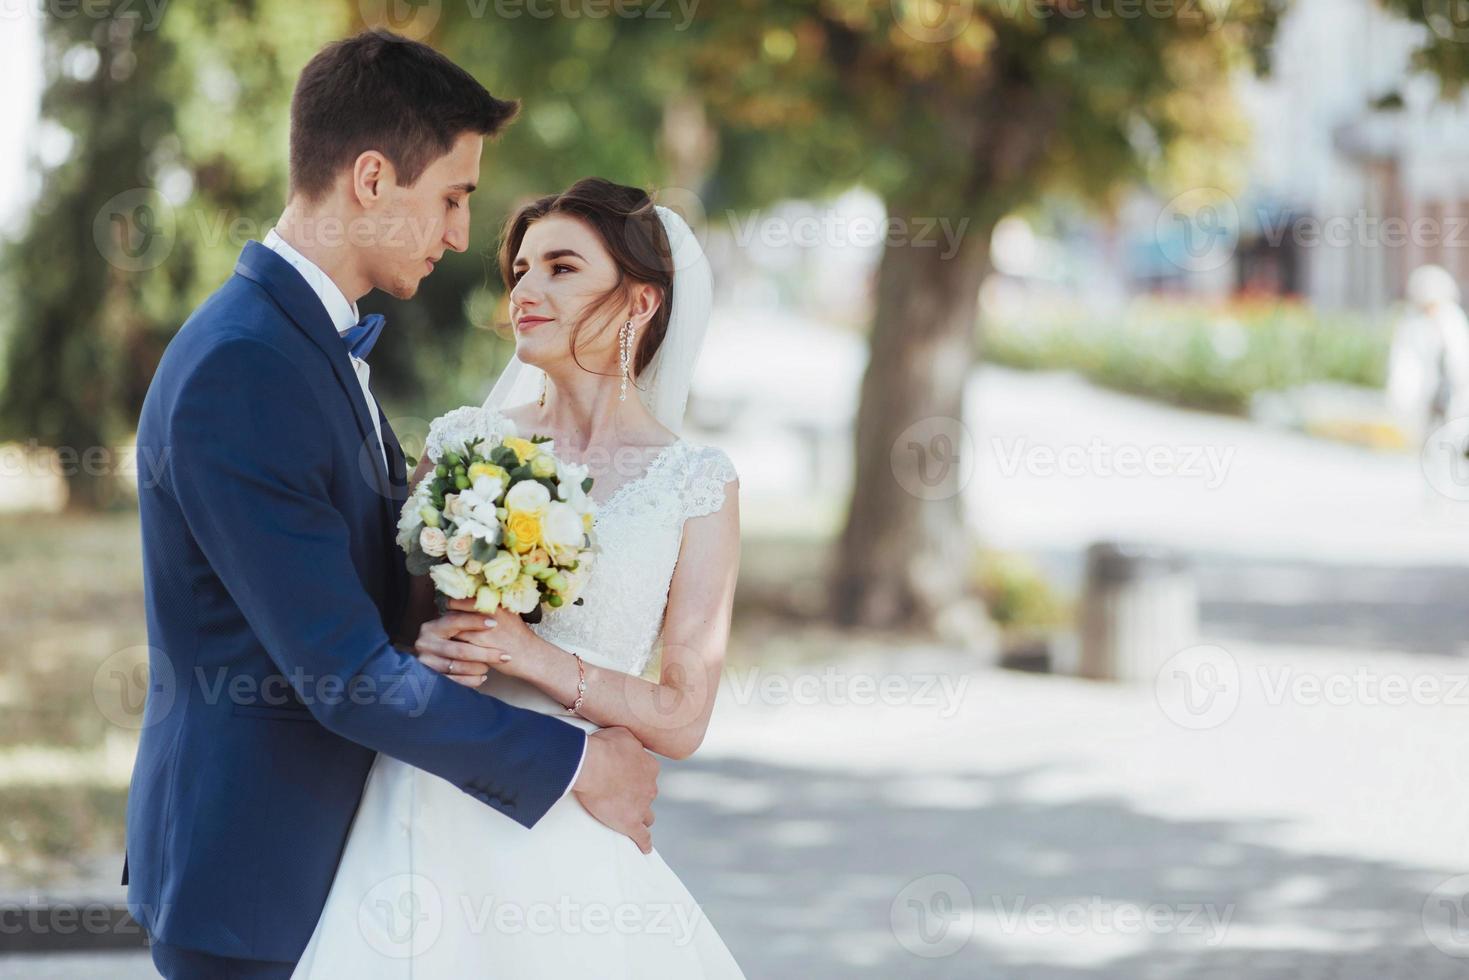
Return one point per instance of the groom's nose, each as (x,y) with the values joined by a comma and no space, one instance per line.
(456,231)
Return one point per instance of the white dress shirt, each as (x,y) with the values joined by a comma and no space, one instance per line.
(344,317)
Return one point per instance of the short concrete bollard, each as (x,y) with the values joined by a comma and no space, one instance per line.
(1140,607)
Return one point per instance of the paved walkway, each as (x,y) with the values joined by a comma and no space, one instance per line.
(1042,827)
(1004,825)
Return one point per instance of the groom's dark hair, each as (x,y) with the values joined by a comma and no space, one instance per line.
(379,91)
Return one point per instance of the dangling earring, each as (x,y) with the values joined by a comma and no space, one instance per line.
(626,357)
(545,380)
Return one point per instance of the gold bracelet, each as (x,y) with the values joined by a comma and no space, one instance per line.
(581,685)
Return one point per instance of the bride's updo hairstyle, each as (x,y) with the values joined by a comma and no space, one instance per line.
(631,231)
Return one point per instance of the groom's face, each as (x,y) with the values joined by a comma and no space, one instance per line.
(417,225)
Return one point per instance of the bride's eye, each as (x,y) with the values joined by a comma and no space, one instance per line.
(558,267)
(517,275)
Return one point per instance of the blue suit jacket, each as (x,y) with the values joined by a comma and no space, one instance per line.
(272,580)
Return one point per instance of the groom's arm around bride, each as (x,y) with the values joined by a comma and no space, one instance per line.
(271,575)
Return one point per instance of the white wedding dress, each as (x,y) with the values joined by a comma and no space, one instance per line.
(434,884)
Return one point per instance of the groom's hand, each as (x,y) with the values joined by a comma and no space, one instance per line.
(618,782)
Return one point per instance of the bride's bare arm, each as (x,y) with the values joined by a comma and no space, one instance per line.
(669,716)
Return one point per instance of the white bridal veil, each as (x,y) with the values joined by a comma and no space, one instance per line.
(664,384)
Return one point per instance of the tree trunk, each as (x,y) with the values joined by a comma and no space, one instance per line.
(904,554)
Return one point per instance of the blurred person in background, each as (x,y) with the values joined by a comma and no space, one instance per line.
(1428,366)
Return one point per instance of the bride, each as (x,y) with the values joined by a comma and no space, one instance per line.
(610,300)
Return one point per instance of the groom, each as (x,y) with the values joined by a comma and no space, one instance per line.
(272,579)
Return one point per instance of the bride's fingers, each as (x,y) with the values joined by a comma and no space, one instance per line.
(480,638)
(457,622)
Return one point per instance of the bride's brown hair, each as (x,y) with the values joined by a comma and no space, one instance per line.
(633,234)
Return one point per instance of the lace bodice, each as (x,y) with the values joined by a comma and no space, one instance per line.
(639,529)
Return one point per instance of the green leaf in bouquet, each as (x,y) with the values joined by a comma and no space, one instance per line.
(503,457)
(521,473)
(419,561)
(586,485)
(482,551)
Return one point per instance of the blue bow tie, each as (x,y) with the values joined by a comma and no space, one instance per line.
(359,339)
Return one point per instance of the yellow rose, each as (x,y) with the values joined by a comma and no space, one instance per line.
(524,448)
(527,530)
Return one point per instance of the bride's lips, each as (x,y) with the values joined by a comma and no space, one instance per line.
(527,322)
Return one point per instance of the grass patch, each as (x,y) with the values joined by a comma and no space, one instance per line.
(1213,358)
(74,600)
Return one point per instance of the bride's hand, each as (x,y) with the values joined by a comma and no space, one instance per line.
(502,640)
(441,647)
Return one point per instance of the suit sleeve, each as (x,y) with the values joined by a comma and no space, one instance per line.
(251,470)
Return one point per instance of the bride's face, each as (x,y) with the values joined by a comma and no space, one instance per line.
(561,271)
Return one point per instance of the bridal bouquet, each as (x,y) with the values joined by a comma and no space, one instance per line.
(502,521)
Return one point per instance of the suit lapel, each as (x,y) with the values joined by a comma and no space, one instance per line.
(398,475)
(291,293)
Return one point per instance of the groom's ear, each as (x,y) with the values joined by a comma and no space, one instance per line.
(371,174)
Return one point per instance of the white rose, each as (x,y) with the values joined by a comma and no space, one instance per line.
(562,526)
(458,547)
(502,570)
(409,523)
(486,600)
(576,580)
(453,581)
(451,506)
(521,597)
(528,495)
(569,477)
(488,487)
(475,507)
(488,533)
(433,541)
